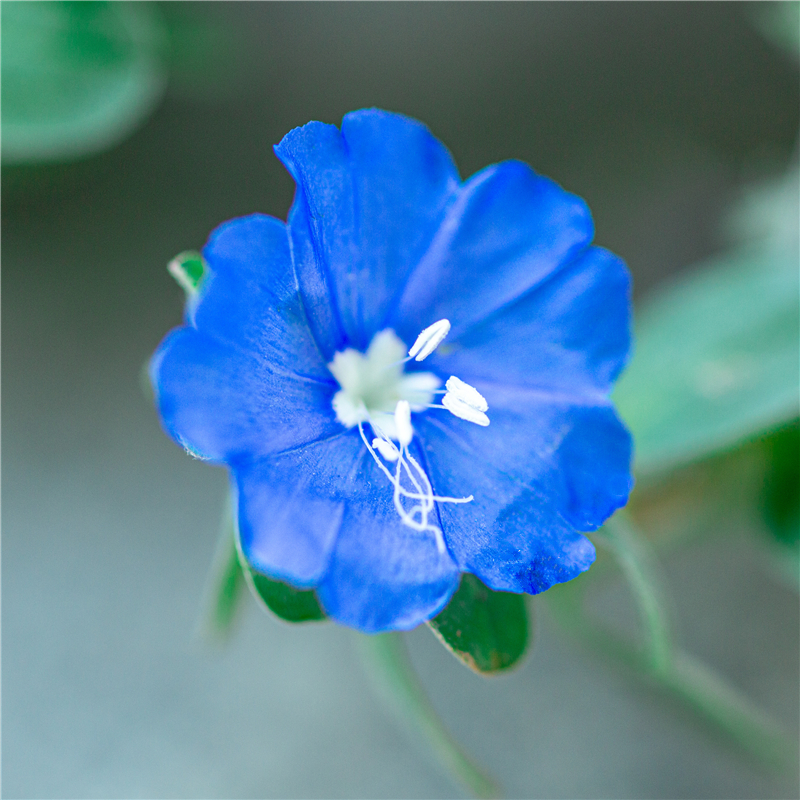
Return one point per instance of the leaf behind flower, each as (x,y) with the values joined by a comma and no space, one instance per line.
(486,630)
(716,360)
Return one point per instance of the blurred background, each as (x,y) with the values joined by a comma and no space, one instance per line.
(128,135)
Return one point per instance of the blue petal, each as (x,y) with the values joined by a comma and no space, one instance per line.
(322,515)
(251,300)
(383,575)
(544,469)
(568,335)
(219,401)
(595,461)
(369,200)
(291,507)
(508,231)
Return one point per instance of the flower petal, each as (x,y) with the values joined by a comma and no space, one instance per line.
(290,507)
(569,335)
(384,575)
(219,402)
(508,231)
(250,298)
(541,471)
(369,200)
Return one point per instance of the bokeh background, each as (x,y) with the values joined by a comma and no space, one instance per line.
(658,114)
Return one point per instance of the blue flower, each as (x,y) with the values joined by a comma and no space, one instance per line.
(373,476)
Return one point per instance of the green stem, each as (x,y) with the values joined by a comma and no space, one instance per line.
(638,564)
(389,667)
(683,675)
(730,710)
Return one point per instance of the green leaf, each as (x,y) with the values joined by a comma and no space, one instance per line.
(780,501)
(77,77)
(781,493)
(716,360)
(225,583)
(486,630)
(283,600)
(230,571)
(286,602)
(188,268)
(780,23)
(231,582)
(392,675)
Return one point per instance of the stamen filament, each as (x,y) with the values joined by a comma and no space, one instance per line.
(417,517)
(411,495)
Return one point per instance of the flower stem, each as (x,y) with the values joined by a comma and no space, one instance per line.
(638,564)
(388,665)
(680,673)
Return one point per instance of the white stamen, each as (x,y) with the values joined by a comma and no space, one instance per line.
(429,339)
(405,492)
(417,518)
(386,449)
(375,390)
(463,410)
(402,422)
(466,393)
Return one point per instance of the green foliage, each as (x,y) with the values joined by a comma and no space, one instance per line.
(188,268)
(780,23)
(386,662)
(286,602)
(230,572)
(661,662)
(781,494)
(77,77)
(716,360)
(486,630)
(230,585)
(780,501)
(226,584)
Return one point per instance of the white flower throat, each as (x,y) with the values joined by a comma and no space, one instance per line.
(377,391)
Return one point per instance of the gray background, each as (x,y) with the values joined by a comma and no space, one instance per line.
(655,113)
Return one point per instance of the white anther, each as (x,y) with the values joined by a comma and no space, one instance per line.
(464,410)
(466,393)
(429,339)
(386,449)
(402,422)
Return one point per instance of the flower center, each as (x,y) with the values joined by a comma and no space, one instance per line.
(376,390)
(373,383)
